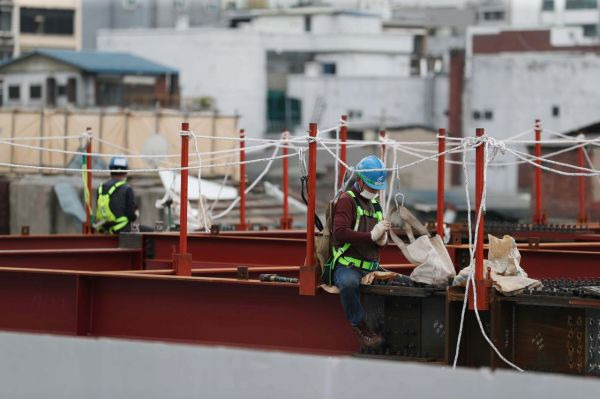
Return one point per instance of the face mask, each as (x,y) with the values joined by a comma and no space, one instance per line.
(367,194)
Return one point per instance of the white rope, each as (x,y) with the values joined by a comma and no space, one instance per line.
(43,138)
(201,203)
(496,146)
(589,161)
(251,186)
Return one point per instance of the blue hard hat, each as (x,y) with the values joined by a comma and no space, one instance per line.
(118,163)
(376,179)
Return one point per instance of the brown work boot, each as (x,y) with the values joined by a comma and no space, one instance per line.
(368,338)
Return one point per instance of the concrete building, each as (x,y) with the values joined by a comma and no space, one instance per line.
(514,76)
(283,68)
(57,78)
(125,14)
(580,13)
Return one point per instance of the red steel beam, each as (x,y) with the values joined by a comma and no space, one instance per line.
(243,225)
(441,181)
(308,274)
(97,259)
(286,220)
(582,218)
(182,260)
(343,138)
(62,241)
(538,217)
(171,308)
(87,226)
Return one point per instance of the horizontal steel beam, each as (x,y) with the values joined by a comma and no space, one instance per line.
(161,307)
(58,241)
(101,259)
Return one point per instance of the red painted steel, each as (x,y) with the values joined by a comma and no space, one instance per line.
(441,181)
(382,148)
(481,283)
(582,218)
(308,274)
(96,259)
(87,227)
(286,220)
(182,261)
(560,263)
(343,138)
(172,308)
(58,241)
(538,217)
(243,225)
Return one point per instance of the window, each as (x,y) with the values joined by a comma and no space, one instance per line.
(45,21)
(476,115)
(62,90)
(548,5)
(354,114)
(307,23)
(329,68)
(488,115)
(5,20)
(493,15)
(581,4)
(555,111)
(590,30)
(14,92)
(35,92)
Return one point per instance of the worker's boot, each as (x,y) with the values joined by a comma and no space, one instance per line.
(367,337)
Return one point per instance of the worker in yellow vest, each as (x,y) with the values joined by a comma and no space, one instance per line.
(116,208)
(359,231)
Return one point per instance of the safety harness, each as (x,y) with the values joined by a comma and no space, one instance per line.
(339,252)
(104,213)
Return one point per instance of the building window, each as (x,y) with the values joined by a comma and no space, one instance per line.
(555,111)
(581,4)
(5,20)
(329,68)
(61,90)
(476,115)
(493,15)
(590,30)
(548,5)
(307,23)
(488,115)
(354,114)
(35,92)
(43,21)
(14,92)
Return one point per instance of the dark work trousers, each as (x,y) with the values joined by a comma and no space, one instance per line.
(347,279)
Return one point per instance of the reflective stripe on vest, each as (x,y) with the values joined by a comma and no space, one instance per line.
(349,260)
(103,211)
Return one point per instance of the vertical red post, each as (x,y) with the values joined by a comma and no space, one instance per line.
(582,219)
(182,261)
(308,273)
(538,216)
(87,229)
(242,225)
(441,181)
(481,283)
(382,147)
(286,220)
(343,138)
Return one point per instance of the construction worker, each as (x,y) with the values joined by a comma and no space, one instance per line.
(359,231)
(116,207)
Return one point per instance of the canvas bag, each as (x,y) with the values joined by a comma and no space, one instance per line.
(429,254)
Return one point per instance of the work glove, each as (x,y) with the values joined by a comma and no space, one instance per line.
(383,240)
(380,230)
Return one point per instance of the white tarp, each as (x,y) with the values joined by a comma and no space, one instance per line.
(172,181)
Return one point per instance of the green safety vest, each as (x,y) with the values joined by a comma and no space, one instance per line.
(104,213)
(339,252)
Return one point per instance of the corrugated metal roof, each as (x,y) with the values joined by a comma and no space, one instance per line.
(101,62)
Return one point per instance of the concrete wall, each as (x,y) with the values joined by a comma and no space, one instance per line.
(47,366)
(385,101)
(518,88)
(367,65)
(227,65)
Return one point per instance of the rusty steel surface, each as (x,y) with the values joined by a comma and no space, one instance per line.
(101,259)
(172,308)
(58,241)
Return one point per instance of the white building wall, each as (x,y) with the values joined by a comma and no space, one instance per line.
(364,64)
(348,23)
(25,80)
(278,24)
(229,65)
(520,87)
(391,101)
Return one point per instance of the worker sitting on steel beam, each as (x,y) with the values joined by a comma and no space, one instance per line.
(116,207)
(359,232)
